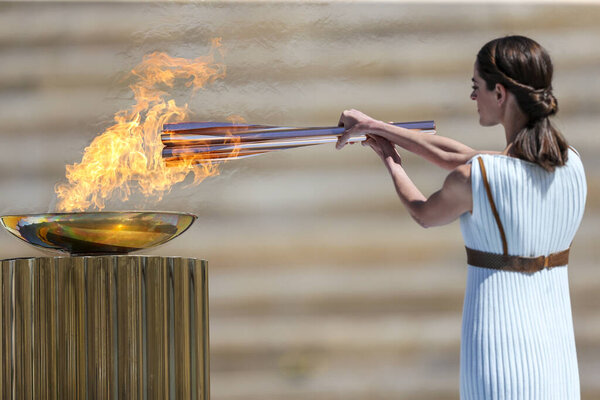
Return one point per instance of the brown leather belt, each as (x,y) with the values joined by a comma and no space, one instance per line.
(504,261)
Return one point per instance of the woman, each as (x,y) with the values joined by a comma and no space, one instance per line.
(519,210)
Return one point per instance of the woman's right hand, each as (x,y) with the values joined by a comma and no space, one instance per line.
(383,148)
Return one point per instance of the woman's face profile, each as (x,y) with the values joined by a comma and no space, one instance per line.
(487,104)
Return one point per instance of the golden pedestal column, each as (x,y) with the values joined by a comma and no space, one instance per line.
(106,327)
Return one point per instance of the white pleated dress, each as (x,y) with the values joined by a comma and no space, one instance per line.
(517,332)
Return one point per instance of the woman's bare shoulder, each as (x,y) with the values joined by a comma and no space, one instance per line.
(459,178)
(462,173)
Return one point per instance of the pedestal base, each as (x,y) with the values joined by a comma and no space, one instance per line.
(109,327)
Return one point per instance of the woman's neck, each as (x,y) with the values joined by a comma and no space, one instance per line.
(511,134)
(514,121)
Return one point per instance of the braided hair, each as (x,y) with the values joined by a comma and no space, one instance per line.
(524,68)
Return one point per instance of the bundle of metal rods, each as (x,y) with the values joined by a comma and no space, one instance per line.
(209,142)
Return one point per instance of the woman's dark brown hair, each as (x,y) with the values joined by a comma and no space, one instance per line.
(524,68)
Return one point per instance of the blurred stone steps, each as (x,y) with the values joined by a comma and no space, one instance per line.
(91,23)
(332,379)
(361,379)
(97,22)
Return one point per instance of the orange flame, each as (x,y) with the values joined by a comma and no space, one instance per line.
(130,150)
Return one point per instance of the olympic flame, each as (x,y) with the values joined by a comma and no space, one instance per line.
(127,156)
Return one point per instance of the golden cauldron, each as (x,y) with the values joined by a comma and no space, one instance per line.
(103,232)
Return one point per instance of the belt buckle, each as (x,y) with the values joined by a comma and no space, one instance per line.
(549,260)
(534,264)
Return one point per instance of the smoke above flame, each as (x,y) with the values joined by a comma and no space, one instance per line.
(127,156)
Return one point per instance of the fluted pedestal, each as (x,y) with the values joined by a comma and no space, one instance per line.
(108,327)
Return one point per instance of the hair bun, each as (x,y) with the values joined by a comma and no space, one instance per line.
(543,103)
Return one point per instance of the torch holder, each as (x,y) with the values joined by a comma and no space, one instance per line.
(104,327)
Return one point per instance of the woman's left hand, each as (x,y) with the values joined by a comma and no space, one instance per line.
(356,123)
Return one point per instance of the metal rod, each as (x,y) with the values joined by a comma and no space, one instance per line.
(263,145)
(205,160)
(177,137)
(188,126)
(192,140)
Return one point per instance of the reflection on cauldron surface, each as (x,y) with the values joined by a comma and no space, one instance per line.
(98,232)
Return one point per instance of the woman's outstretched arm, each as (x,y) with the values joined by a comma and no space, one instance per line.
(442,151)
(442,207)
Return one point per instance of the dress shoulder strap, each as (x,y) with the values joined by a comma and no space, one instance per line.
(493,206)
(575,151)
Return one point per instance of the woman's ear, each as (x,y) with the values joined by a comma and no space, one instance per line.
(500,92)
